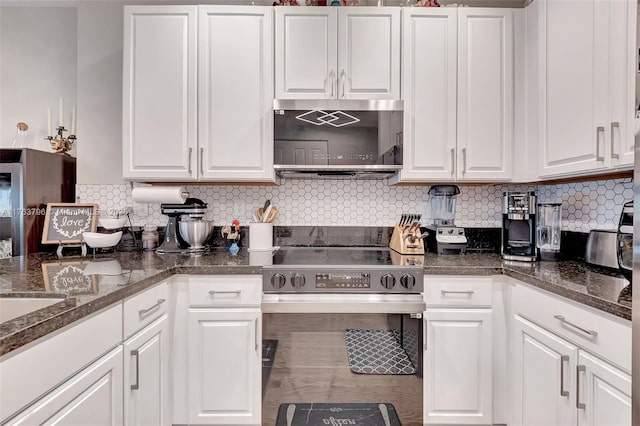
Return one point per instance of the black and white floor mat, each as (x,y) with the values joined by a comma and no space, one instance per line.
(268,354)
(377,352)
(317,414)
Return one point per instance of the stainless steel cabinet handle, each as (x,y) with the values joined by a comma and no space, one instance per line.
(453,160)
(464,160)
(599,130)
(333,83)
(614,125)
(201,161)
(579,369)
(190,152)
(214,292)
(469,292)
(256,325)
(136,386)
(562,319)
(344,78)
(563,359)
(145,311)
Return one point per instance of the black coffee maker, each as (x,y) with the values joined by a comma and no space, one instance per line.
(519,226)
(625,241)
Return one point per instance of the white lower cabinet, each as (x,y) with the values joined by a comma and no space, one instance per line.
(93,396)
(224,366)
(458,367)
(146,367)
(458,363)
(604,393)
(555,383)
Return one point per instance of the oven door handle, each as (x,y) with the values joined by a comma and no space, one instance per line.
(342,303)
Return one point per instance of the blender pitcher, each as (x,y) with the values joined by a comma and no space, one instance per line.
(443,204)
(549,231)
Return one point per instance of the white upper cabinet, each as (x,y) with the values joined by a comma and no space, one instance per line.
(159,92)
(622,54)
(457,86)
(235,93)
(485,94)
(430,41)
(306,52)
(337,53)
(585,98)
(197,106)
(369,53)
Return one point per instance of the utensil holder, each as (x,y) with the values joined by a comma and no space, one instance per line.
(260,236)
(405,241)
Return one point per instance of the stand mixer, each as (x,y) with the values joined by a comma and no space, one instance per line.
(177,235)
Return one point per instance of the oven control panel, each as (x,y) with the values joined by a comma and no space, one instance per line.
(348,280)
(375,280)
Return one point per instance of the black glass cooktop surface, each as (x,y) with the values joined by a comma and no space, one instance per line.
(365,256)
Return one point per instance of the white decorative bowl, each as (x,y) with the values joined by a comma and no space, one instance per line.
(98,240)
(112,223)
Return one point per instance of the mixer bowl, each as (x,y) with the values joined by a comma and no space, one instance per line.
(196,232)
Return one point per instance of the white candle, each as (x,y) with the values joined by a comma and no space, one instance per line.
(73,121)
(61,121)
(49,129)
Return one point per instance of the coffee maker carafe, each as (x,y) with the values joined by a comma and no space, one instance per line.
(519,226)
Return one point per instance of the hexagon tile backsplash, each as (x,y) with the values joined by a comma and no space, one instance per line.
(586,205)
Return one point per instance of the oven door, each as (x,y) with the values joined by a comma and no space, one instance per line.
(332,356)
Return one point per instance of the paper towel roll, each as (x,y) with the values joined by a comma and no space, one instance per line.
(159,194)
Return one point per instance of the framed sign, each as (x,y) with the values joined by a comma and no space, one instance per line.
(64,223)
(69,278)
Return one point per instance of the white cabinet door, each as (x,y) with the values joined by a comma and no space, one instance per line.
(159,93)
(605,393)
(146,377)
(485,94)
(429,69)
(458,368)
(369,53)
(235,93)
(622,54)
(306,52)
(572,98)
(225,362)
(543,378)
(91,397)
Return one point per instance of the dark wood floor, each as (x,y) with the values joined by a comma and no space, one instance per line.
(311,366)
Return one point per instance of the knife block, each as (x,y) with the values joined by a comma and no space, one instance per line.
(406,242)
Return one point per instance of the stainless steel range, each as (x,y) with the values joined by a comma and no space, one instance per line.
(347,326)
(340,270)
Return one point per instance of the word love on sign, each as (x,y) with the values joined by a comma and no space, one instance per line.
(64,223)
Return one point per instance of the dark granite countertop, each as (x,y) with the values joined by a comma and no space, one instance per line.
(85,285)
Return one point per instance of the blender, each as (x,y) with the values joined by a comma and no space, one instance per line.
(445,237)
(548,229)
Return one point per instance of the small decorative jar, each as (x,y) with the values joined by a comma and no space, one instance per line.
(150,237)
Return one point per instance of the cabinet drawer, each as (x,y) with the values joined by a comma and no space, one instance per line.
(142,309)
(457,291)
(600,333)
(225,291)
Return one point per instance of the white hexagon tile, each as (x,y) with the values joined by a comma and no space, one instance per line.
(586,205)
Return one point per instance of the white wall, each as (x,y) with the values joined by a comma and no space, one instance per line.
(38,57)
